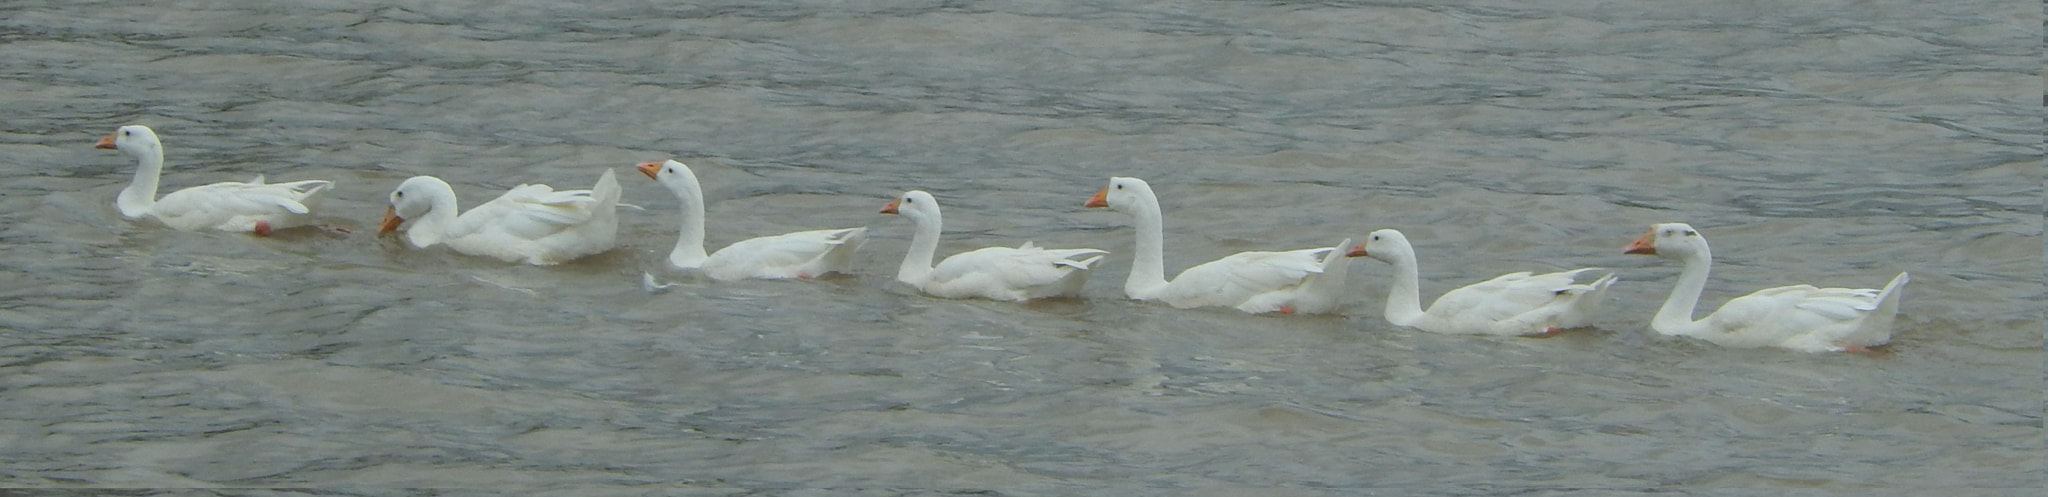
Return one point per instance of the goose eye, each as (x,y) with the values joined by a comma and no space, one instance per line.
(671,170)
(398,194)
(1119,187)
(127,132)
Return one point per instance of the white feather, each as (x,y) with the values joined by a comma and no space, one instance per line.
(1519,303)
(1797,317)
(533,224)
(996,273)
(224,206)
(799,255)
(1298,281)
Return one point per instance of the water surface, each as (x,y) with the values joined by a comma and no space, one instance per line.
(1833,143)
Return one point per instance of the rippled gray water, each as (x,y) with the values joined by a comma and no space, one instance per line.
(1827,142)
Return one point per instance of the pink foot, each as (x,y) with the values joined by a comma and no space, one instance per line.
(262,228)
(803,276)
(1287,309)
(1856,348)
(1553,330)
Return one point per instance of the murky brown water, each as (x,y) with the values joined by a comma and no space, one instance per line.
(1834,143)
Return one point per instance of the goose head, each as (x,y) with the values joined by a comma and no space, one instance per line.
(916,205)
(134,140)
(1384,245)
(674,175)
(412,199)
(1124,194)
(1669,240)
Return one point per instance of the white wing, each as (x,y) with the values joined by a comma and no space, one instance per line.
(227,203)
(801,254)
(1503,297)
(1232,280)
(1004,273)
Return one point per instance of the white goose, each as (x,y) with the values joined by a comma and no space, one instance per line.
(802,255)
(531,223)
(1797,317)
(1304,281)
(1510,304)
(255,206)
(996,273)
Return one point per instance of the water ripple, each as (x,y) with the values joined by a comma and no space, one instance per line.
(1828,142)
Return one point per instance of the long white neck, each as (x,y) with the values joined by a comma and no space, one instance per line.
(1148,266)
(1404,297)
(432,226)
(917,263)
(1675,318)
(689,252)
(139,197)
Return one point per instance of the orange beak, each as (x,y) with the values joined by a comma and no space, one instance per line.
(1647,245)
(106,143)
(391,221)
(891,208)
(1101,199)
(1358,251)
(650,169)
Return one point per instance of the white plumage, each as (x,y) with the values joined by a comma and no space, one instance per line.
(801,255)
(534,224)
(226,206)
(1511,304)
(1296,281)
(996,273)
(1797,317)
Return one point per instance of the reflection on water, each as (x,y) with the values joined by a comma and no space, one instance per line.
(1822,142)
